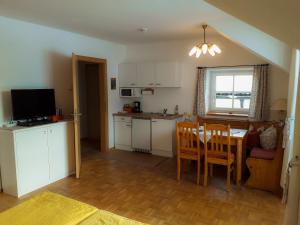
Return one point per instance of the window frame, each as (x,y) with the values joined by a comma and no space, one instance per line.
(231,71)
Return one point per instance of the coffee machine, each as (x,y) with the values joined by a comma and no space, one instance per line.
(137,107)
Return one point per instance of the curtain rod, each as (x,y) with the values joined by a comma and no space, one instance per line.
(211,67)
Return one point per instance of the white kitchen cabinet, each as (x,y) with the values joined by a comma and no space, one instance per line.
(128,75)
(141,135)
(150,74)
(146,75)
(33,157)
(168,74)
(163,136)
(122,127)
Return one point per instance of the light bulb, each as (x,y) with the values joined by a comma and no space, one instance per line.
(198,52)
(216,48)
(211,51)
(204,48)
(193,51)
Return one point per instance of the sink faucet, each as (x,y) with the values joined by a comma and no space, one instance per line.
(165,111)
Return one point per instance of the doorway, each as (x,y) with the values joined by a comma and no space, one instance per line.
(90,106)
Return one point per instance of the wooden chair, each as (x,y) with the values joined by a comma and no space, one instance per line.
(218,150)
(188,145)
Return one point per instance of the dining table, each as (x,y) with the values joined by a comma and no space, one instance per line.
(237,136)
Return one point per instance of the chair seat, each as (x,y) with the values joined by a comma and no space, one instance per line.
(260,153)
(193,153)
(219,156)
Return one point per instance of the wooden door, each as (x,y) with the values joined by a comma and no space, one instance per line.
(76,114)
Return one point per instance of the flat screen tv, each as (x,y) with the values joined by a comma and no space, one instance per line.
(32,103)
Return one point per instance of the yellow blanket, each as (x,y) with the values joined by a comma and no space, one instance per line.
(47,209)
(102,217)
(52,209)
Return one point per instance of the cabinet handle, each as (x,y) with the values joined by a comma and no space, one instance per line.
(157,83)
(132,84)
(150,84)
(154,121)
(128,125)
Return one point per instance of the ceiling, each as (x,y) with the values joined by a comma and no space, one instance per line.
(117,20)
(277,18)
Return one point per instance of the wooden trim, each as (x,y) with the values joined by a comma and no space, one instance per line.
(103,102)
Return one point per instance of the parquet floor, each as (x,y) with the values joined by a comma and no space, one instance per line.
(143,187)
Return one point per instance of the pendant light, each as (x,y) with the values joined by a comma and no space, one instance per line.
(205,47)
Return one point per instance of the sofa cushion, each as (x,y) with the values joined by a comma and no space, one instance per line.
(253,139)
(260,153)
(268,138)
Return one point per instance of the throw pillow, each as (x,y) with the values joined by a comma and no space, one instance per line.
(268,138)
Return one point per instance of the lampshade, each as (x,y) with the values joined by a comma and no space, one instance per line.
(279,105)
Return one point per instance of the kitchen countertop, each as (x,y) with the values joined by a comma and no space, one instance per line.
(146,115)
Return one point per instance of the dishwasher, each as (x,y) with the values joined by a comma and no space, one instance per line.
(141,135)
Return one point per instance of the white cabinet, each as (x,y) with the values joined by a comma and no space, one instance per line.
(168,74)
(128,75)
(122,127)
(32,160)
(33,157)
(163,136)
(150,74)
(146,75)
(61,151)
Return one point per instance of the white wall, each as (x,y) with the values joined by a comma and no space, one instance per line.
(232,54)
(34,56)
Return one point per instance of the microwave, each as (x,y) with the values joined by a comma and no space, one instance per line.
(130,92)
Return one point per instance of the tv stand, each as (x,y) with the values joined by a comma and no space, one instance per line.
(35,122)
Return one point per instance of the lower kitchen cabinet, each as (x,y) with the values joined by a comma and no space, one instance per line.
(163,137)
(122,128)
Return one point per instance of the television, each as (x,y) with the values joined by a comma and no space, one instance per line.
(30,104)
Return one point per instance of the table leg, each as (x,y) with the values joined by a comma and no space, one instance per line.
(239,161)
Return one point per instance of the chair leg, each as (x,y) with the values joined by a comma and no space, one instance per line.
(228,177)
(198,171)
(211,169)
(178,168)
(205,173)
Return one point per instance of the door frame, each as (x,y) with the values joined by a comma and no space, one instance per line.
(103,97)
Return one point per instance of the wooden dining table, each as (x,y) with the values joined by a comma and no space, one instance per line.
(237,137)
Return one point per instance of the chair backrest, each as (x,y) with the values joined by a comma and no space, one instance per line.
(218,136)
(187,137)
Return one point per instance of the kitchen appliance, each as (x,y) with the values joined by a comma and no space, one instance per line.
(137,107)
(128,108)
(141,135)
(130,92)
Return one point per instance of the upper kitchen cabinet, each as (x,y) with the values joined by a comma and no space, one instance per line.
(128,75)
(146,74)
(168,74)
(149,74)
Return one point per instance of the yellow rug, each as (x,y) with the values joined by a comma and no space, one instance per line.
(53,209)
(102,217)
(47,209)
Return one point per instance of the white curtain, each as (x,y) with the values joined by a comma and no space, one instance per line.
(259,104)
(201,102)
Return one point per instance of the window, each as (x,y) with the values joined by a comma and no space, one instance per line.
(230,90)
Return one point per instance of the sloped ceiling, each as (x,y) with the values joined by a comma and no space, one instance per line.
(119,21)
(279,18)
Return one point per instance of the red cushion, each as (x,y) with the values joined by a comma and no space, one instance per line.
(219,156)
(260,153)
(253,139)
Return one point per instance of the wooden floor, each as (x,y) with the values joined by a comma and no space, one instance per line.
(143,187)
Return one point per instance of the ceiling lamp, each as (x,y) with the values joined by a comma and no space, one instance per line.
(205,47)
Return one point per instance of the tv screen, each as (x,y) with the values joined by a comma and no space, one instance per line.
(32,103)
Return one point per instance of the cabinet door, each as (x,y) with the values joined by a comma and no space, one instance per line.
(146,75)
(123,135)
(61,151)
(168,74)
(162,136)
(128,75)
(32,159)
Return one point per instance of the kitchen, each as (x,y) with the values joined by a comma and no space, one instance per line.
(148,132)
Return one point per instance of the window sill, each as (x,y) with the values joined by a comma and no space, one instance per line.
(224,114)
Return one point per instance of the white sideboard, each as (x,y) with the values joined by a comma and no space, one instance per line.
(33,157)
